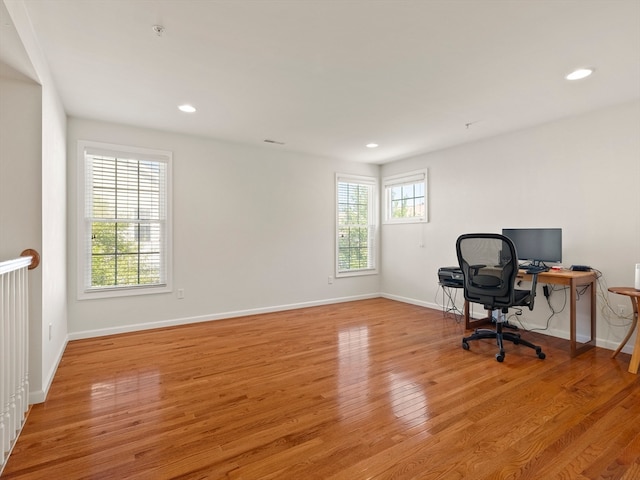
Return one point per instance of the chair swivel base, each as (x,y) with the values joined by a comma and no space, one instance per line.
(500,336)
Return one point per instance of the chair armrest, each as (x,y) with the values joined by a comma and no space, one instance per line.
(476,268)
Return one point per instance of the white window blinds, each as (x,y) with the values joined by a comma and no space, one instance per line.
(126,227)
(356,225)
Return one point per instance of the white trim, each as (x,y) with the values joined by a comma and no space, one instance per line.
(356,272)
(39,396)
(413,177)
(122,291)
(411,301)
(213,317)
(165,156)
(400,178)
(552,332)
(365,179)
(374,222)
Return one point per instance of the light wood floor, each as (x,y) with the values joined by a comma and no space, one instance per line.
(373,389)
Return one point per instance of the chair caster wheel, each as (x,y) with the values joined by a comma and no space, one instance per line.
(499,357)
(541,356)
(465,345)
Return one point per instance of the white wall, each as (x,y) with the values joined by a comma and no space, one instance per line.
(241,246)
(20,194)
(54,236)
(580,174)
(33,193)
(20,176)
(253,231)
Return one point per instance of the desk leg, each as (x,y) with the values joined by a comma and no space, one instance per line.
(592,340)
(469,325)
(575,350)
(572,318)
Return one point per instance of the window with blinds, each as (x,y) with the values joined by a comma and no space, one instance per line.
(406,198)
(125,229)
(356,225)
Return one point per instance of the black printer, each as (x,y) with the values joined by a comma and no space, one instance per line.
(450,276)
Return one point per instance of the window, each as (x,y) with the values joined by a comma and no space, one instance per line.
(125,223)
(356,225)
(406,198)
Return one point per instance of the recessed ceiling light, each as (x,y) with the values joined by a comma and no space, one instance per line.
(579,74)
(372,145)
(187,108)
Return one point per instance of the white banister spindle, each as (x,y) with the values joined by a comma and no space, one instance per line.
(23,341)
(4,315)
(14,352)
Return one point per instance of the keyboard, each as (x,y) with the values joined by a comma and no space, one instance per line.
(580,268)
(535,269)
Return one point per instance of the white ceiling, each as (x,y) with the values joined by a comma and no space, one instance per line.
(327,77)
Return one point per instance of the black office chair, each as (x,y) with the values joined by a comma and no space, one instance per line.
(489,264)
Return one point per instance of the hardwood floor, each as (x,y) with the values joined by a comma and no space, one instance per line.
(374,389)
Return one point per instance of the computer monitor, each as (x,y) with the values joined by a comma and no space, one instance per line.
(536,245)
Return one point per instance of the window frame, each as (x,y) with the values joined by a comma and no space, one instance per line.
(409,178)
(373,224)
(84,289)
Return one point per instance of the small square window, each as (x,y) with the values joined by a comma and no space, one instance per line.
(406,198)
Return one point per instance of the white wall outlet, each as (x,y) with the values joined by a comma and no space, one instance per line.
(330,280)
(622,311)
(180,293)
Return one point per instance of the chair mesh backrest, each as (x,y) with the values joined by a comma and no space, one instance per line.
(489,264)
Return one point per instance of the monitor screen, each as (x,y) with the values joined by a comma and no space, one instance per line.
(536,244)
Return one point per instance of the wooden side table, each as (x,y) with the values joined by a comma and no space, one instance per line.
(634,295)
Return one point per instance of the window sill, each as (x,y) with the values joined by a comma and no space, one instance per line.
(405,221)
(123,292)
(357,273)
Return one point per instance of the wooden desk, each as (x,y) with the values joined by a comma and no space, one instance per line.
(634,296)
(570,279)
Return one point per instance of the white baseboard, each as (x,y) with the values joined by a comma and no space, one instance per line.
(411,301)
(211,317)
(39,396)
(555,332)
(36,396)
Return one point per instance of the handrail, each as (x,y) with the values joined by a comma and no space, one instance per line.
(28,258)
(15,264)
